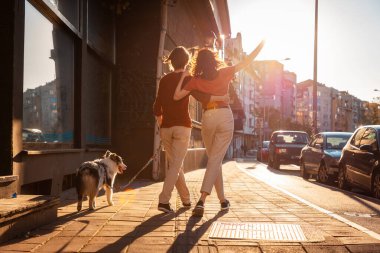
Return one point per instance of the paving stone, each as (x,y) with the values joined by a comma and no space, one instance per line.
(64,244)
(135,225)
(367,248)
(240,249)
(141,248)
(326,249)
(282,249)
(17,247)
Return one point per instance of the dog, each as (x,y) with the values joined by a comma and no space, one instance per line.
(93,175)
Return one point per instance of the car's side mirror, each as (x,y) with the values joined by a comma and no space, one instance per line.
(367,148)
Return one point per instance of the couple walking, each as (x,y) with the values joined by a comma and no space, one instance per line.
(208,83)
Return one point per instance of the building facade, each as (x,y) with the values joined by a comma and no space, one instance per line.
(304,105)
(81,78)
(243,87)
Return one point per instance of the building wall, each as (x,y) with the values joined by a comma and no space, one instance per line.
(138,34)
(103,56)
(288,95)
(7,26)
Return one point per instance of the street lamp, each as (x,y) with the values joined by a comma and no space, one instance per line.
(315,69)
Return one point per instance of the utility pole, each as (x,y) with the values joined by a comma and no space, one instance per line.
(315,76)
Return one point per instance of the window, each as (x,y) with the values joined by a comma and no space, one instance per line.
(318,140)
(369,138)
(355,141)
(48,83)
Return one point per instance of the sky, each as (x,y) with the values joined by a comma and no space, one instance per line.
(348,39)
(38,67)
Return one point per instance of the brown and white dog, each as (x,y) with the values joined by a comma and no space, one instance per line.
(93,175)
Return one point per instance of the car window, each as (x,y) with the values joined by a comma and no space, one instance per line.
(319,140)
(313,141)
(369,138)
(355,141)
(336,142)
(292,138)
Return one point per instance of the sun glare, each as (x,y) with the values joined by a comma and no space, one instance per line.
(286,29)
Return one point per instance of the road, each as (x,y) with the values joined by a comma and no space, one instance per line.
(357,206)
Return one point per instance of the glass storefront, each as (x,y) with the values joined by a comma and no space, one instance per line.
(58,72)
(48,89)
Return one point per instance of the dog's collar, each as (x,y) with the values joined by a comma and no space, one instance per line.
(107,180)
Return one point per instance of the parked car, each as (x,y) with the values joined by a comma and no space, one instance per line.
(285,147)
(359,164)
(32,135)
(263,151)
(321,156)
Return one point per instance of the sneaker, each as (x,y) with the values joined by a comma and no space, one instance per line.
(165,208)
(225,205)
(186,205)
(199,209)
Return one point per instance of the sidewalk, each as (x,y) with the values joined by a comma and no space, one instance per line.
(135,225)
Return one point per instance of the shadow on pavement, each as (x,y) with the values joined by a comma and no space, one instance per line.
(189,238)
(145,227)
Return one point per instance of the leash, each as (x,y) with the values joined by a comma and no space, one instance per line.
(155,154)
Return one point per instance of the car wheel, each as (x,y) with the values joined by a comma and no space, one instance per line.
(376,186)
(342,180)
(323,176)
(276,164)
(303,172)
(270,162)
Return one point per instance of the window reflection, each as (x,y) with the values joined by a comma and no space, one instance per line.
(48,83)
(69,9)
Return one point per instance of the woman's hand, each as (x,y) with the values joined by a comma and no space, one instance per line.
(159,120)
(244,63)
(179,92)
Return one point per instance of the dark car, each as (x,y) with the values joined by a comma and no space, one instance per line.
(321,156)
(359,164)
(263,151)
(285,147)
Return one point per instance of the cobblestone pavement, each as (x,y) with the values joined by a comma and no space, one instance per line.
(134,224)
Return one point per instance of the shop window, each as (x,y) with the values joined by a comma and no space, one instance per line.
(48,83)
(101,29)
(98,102)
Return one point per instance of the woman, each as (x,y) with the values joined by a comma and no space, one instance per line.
(210,76)
(174,119)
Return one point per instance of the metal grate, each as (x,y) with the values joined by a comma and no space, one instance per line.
(257,231)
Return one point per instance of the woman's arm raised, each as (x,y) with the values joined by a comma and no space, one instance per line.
(179,92)
(244,63)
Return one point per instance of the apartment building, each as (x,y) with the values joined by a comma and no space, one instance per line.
(304,105)
(243,85)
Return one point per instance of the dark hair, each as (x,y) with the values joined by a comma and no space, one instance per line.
(205,64)
(178,58)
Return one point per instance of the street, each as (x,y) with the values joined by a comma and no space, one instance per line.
(357,206)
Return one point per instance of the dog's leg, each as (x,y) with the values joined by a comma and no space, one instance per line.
(109,192)
(80,200)
(91,201)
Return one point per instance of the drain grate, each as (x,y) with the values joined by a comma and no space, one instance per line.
(257,231)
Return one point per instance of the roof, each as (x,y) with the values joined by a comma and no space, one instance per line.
(289,131)
(336,133)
